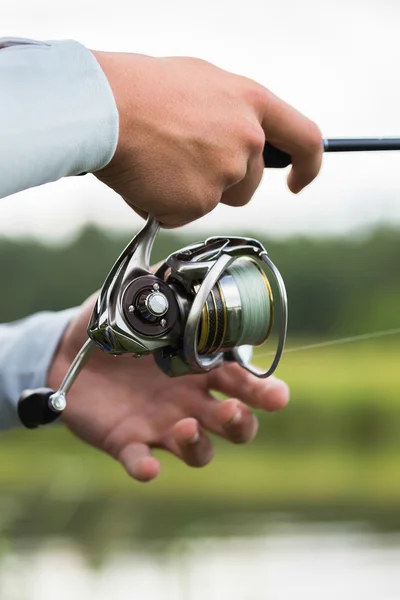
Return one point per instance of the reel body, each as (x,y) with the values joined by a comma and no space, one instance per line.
(203,303)
(206,304)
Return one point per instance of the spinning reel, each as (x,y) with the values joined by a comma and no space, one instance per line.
(207,304)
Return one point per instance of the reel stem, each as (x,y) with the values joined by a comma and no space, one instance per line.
(58,398)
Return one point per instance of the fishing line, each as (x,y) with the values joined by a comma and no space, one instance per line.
(339,341)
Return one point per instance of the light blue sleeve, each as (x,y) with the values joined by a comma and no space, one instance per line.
(27,348)
(58,115)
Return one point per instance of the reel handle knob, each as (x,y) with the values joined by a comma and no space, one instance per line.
(34,408)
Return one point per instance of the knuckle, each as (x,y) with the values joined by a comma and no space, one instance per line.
(314,138)
(255,93)
(111,446)
(201,203)
(199,211)
(197,62)
(235,199)
(255,138)
(211,199)
(234,171)
(201,206)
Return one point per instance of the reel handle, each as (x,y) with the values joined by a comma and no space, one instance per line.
(35,408)
(277,159)
(44,405)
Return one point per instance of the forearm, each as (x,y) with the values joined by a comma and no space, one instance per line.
(58,115)
(27,348)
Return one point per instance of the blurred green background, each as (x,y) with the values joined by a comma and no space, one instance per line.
(331,455)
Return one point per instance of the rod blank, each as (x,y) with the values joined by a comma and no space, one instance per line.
(361,144)
(277,159)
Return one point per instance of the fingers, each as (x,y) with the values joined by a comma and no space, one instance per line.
(188,442)
(242,192)
(289,130)
(269,394)
(138,461)
(230,419)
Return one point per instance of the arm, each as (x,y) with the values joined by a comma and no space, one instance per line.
(27,348)
(172,136)
(57,113)
(57,118)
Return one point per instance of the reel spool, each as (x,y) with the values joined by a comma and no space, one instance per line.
(230,306)
(238,310)
(206,305)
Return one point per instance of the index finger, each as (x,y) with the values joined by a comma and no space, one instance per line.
(290,131)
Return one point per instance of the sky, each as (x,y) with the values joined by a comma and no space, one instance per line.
(336,61)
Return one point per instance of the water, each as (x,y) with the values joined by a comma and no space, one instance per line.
(289,561)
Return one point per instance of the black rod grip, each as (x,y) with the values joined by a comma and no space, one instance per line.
(277,159)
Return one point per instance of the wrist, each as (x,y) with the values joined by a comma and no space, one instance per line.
(113,70)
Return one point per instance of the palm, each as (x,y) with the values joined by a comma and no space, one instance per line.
(126,406)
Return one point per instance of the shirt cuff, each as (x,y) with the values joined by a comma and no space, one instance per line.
(58,115)
(27,348)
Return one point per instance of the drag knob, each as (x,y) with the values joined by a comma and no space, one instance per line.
(34,408)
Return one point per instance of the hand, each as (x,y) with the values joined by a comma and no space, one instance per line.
(127,406)
(192,135)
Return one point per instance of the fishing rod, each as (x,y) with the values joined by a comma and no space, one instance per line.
(207,304)
(277,159)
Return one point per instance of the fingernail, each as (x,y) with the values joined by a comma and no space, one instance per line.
(236,417)
(194,439)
